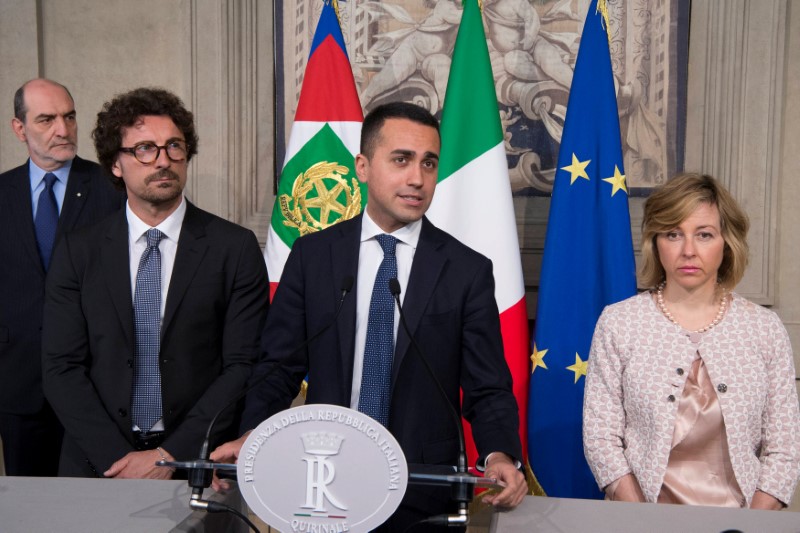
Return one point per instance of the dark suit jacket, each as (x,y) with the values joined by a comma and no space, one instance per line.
(451,311)
(89,197)
(215,309)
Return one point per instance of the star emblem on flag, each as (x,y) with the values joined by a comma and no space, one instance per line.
(579,367)
(577,169)
(537,358)
(617,181)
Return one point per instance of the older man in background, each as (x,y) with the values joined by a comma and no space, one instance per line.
(50,194)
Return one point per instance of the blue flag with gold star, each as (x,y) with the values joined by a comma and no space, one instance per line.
(588,264)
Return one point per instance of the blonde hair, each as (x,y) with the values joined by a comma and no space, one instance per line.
(672,203)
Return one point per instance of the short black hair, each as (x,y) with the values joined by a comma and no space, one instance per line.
(373,122)
(125,110)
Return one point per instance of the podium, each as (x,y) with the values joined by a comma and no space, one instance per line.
(537,514)
(78,505)
(328,468)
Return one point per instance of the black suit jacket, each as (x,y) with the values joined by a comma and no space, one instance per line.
(215,309)
(89,197)
(451,311)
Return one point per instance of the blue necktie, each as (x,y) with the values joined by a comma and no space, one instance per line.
(373,400)
(146,395)
(46,220)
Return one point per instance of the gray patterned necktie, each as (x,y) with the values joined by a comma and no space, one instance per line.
(146,394)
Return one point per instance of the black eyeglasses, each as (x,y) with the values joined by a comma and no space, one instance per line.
(148,152)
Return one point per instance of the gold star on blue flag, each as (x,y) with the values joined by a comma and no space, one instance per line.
(588,264)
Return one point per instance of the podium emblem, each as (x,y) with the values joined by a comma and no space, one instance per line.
(319,447)
(322,468)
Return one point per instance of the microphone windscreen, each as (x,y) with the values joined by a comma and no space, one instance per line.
(394,286)
(347,283)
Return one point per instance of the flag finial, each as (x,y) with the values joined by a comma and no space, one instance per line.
(335,5)
(602,7)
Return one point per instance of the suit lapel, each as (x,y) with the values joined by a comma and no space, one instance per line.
(192,247)
(116,266)
(18,203)
(344,259)
(425,271)
(75,198)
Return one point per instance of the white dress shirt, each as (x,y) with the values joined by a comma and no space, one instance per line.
(137,244)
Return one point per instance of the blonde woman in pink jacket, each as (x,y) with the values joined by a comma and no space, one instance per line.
(690,394)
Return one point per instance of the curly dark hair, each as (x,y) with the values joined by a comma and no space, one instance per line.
(123,112)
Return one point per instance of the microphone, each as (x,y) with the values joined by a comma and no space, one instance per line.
(200,477)
(461,492)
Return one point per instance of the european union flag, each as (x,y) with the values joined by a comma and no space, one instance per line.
(588,264)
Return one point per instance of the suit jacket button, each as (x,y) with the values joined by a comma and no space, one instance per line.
(679,371)
(722,387)
(671,398)
(123,412)
(130,363)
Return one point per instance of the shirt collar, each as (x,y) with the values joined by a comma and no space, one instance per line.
(170,226)
(37,173)
(408,234)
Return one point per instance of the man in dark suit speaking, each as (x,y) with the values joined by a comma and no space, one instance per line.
(364,361)
(151,318)
(52,193)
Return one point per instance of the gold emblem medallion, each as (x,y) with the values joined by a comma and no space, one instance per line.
(328,181)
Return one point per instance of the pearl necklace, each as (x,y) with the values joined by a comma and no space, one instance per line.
(723,304)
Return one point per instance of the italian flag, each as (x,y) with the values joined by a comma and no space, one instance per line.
(318,185)
(473,196)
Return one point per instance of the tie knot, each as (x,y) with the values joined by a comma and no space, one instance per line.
(154,237)
(388,244)
(49,180)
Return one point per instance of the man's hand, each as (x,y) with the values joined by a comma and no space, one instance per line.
(229,452)
(226,453)
(140,465)
(501,467)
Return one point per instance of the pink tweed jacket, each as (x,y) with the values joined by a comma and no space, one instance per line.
(638,365)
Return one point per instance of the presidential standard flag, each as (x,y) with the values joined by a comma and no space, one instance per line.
(588,264)
(473,195)
(318,186)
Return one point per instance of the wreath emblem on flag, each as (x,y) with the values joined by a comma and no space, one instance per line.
(318,195)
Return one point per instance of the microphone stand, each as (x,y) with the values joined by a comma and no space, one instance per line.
(461,492)
(202,471)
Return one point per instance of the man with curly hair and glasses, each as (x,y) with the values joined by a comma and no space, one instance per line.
(152,317)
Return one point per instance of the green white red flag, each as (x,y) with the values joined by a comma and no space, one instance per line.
(473,196)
